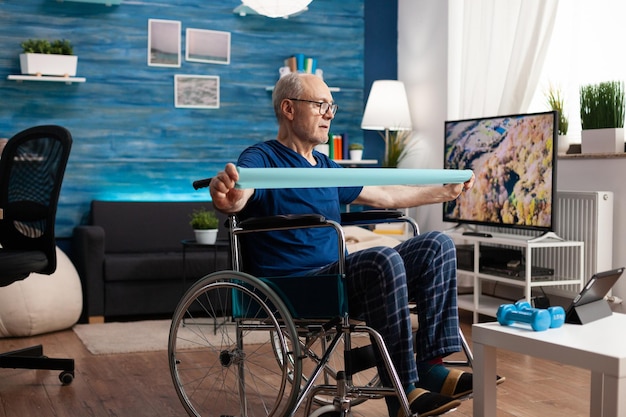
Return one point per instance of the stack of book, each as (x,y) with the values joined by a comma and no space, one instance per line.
(300,63)
(338,147)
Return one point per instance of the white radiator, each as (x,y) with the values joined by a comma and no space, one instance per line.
(583,216)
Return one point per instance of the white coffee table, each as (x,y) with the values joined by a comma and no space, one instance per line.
(599,346)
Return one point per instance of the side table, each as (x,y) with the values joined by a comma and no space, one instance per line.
(190,244)
(599,346)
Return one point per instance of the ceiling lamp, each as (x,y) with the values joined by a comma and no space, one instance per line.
(277,8)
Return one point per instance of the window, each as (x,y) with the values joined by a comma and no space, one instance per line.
(586,48)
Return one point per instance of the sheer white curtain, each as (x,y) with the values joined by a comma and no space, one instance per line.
(496,54)
(586,48)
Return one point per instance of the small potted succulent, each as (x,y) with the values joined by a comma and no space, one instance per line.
(42,57)
(204,223)
(356,151)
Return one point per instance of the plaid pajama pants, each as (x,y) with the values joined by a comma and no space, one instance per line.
(382,280)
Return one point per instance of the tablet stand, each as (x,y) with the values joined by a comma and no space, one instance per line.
(587,313)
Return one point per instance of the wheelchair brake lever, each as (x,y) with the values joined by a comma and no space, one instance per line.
(331,323)
(335,322)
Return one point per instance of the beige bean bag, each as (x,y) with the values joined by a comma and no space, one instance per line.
(42,303)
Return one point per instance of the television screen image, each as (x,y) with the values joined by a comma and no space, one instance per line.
(514,160)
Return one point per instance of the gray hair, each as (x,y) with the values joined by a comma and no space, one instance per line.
(288,86)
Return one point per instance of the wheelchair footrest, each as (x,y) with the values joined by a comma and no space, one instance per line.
(360,359)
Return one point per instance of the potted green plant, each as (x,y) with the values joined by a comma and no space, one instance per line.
(398,140)
(42,57)
(356,151)
(555,101)
(204,223)
(602,117)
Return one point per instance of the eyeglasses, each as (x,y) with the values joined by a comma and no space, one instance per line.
(324,106)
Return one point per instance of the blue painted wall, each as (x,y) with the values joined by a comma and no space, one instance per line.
(380,58)
(130,142)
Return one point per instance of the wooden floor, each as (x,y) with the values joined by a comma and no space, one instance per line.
(139,384)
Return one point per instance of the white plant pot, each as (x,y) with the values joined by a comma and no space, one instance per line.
(49,64)
(563,144)
(206,237)
(602,140)
(356,154)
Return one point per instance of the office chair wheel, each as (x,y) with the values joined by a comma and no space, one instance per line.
(221,340)
(66,377)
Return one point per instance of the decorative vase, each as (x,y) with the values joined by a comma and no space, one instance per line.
(206,237)
(356,154)
(609,140)
(48,64)
(563,144)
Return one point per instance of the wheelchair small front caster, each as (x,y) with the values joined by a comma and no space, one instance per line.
(341,404)
(66,377)
(329,410)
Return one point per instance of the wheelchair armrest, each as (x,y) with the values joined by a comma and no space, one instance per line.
(373,217)
(369,216)
(282,221)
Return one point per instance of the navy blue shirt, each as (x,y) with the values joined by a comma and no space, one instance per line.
(294,251)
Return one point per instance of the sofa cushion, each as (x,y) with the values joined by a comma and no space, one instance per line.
(161,266)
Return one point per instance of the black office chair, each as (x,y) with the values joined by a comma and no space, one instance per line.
(31,173)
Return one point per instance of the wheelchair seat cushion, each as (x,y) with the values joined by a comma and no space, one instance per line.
(307,297)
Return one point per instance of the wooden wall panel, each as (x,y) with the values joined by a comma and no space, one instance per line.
(130,142)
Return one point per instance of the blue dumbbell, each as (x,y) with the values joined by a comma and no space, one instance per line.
(539,320)
(557,314)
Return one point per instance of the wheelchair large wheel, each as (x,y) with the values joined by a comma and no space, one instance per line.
(222,349)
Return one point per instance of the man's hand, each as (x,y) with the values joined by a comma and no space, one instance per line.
(455,190)
(227,198)
(469,183)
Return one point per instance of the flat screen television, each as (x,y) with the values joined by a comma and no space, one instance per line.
(514,160)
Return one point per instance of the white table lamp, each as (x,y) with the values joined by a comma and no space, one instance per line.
(387,109)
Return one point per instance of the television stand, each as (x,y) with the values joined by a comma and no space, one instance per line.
(543,251)
(546,235)
(468,230)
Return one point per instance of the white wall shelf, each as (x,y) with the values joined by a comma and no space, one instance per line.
(46,78)
(480,303)
(351,162)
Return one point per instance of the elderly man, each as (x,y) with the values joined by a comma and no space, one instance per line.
(380,280)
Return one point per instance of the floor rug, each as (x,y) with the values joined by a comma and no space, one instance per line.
(146,336)
(127,337)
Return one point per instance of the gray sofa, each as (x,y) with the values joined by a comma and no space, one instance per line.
(130,258)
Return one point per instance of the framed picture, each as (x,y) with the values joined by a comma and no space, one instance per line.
(207,46)
(164,43)
(197,91)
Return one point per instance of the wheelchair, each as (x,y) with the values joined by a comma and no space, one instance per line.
(250,346)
